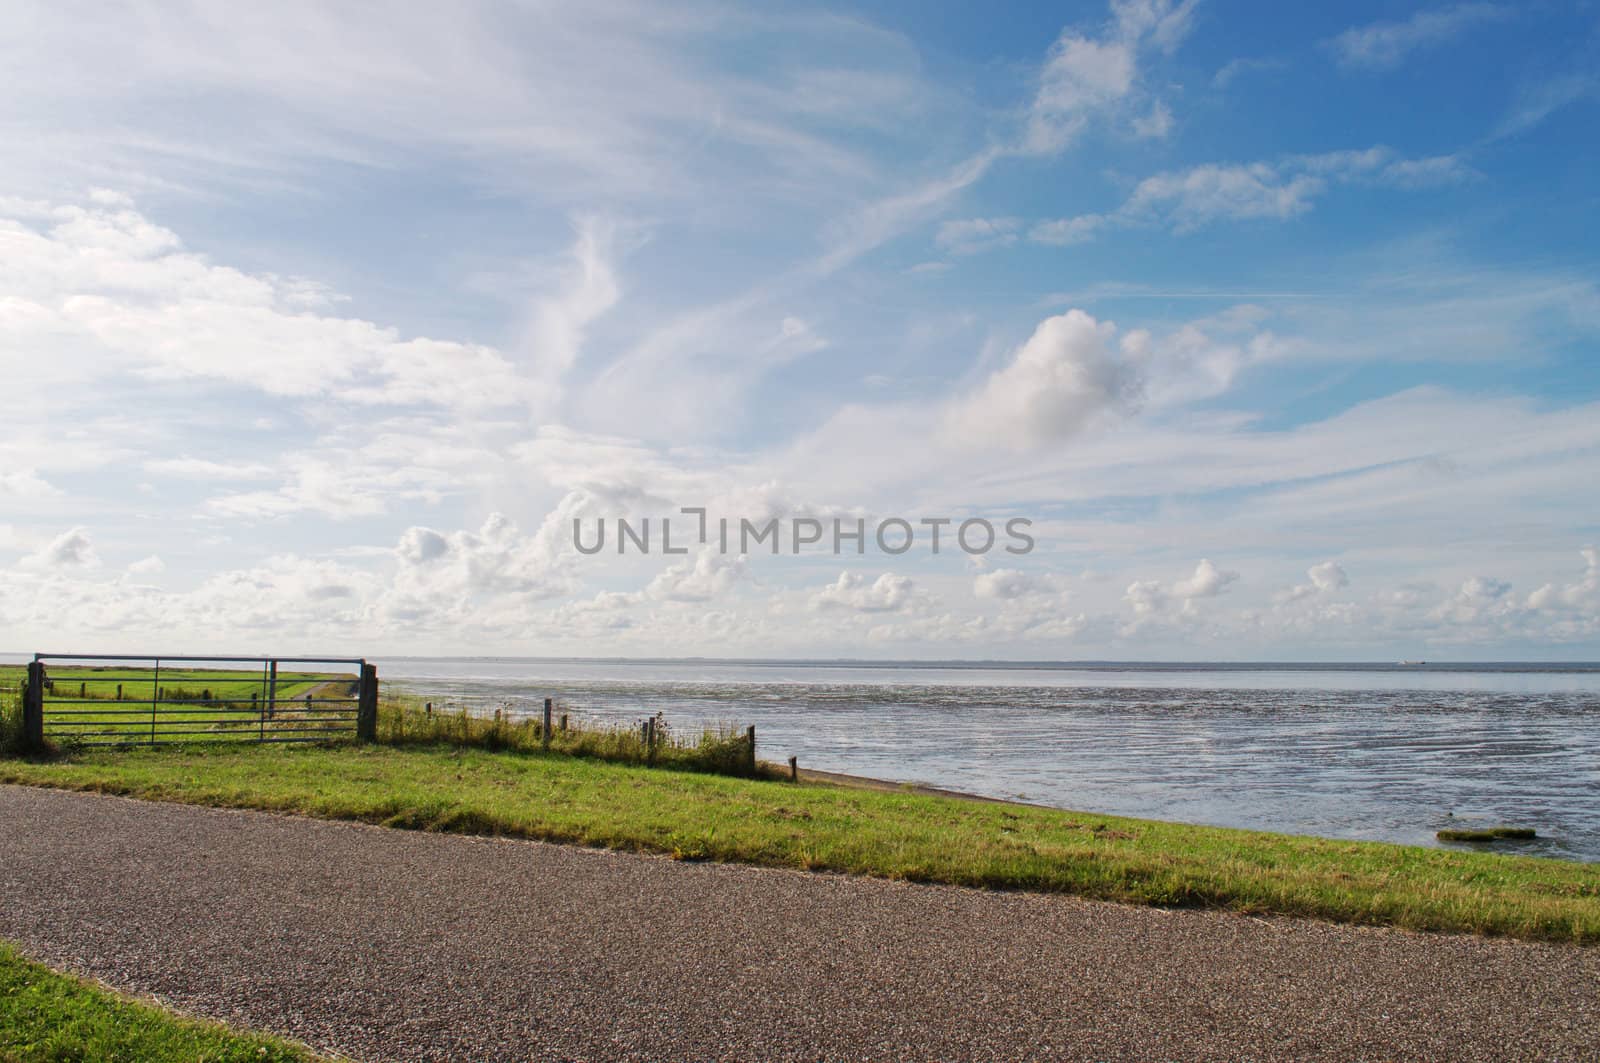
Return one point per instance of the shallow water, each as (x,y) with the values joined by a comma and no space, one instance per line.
(1378,752)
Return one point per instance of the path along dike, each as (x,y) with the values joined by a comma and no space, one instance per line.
(388,944)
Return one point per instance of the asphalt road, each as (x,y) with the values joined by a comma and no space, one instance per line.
(385,944)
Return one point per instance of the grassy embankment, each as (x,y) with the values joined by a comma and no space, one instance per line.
(45,1016)
(427,783)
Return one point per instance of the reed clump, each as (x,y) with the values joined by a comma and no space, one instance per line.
(10,720)
(722,750)
(1486,834)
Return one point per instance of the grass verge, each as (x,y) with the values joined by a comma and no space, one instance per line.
(827,828)
(46,1016)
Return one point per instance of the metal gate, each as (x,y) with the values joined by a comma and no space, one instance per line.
(78,700)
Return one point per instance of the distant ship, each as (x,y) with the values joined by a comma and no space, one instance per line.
(1411,663)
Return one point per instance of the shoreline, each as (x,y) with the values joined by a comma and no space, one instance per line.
(865,782)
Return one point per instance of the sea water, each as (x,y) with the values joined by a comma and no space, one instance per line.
(1385,752)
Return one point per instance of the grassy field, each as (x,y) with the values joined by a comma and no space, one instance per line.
(45,1016)
(139,684)
(99,704)
(828,828)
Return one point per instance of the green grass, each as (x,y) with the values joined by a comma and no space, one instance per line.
(894,834)
(48,1017)
(725,751)
(100,704)
(139,684)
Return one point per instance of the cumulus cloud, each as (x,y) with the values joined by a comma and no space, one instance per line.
(1478,598)
(1089,75)
(147,566)
(1007,584)
(1207,581)
(483,577)
(1151,599)
(1584,594)
(25,483)
(1064,378)
(1381,45)
(851,591)
(72,549)
(709,575)
(1325,578)
(419,546)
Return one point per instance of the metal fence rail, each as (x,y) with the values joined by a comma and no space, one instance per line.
(85,700)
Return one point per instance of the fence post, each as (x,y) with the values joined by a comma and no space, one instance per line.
(750,765)
(549,705)
(367,704)
(33,708)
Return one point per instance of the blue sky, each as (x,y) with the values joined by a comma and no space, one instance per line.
(1280,323)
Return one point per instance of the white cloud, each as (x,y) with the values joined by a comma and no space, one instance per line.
(419,546)
(1584,594)
(72,549)
(1381,45)
(1156,124)
(556,332)
(1007,584)
(106,291)
(1191,199)
(1196,197)
(1325,578)
(1427,173)
(1088,76)
(709,575)
(1479,598)
(187,468)
(976,234)
(1234,68)
(1539,101)
(1328,576)
(147,566)
(851,591)
(24,483)
(1063,379)
(1066,231)
(1208,581)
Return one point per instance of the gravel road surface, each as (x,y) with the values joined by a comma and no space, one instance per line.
(383,944)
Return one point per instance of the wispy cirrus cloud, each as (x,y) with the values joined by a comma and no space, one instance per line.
(1186,200)
(1382,45)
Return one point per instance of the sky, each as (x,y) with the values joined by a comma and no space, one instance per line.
(322,324)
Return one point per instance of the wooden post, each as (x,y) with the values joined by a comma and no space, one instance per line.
(794,769)
(750,765)
(367,704)
(33,709)
(549,707)
(563,721)
(119,691)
